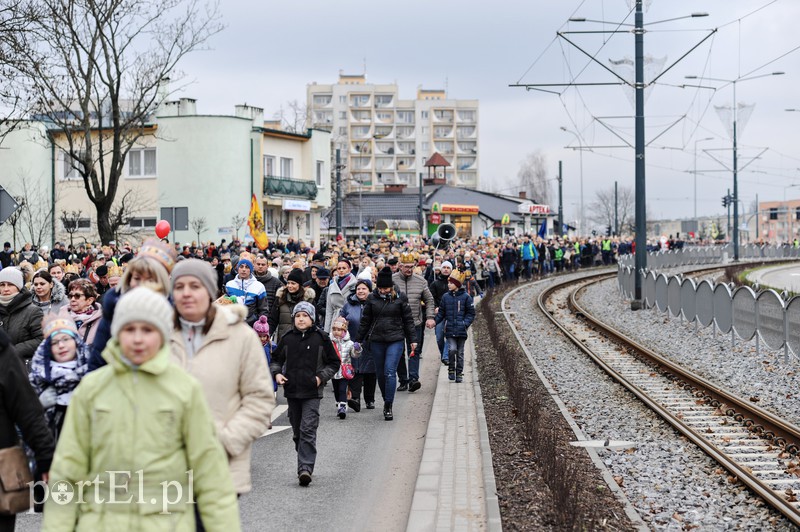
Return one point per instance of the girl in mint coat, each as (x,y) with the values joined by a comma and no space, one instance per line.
(138,432)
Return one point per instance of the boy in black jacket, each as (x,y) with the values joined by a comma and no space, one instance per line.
(303,362)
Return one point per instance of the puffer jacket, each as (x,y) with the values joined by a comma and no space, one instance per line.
(388,317)
(58,299)
(252,293)
(347,351)
(301,356)
(458,313)
(280,317)
(88,324)
(416,290)
(352,313)
(19,406)
(336,298)
(103,334)
(154,419)
(233,373)
(271,285)
(22,321)
(439,288)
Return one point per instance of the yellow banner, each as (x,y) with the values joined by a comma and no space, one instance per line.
(255,221)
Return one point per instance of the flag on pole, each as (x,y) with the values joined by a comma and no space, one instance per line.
(543,228)
(255,221)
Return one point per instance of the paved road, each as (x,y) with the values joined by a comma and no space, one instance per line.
(780,277)
(365,473)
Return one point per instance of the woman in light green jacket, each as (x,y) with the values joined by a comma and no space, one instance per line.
(138,447)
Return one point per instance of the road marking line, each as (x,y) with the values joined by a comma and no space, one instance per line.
(280,409)
(275,429)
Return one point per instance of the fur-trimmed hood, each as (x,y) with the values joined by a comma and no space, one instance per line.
(282,295)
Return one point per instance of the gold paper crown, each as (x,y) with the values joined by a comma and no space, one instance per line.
(72,268)
(407,258)
(458,276)
(158,250)
(114,271)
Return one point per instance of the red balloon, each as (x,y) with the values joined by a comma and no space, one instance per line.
(162,229)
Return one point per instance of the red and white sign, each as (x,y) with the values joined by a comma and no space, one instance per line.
(533,208)
(435,218)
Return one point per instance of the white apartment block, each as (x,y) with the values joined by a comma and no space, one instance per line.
(385,141)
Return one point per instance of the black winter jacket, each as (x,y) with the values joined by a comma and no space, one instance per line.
(271,285)
(19,406)
(301,357)
(439,288)
(391,317)
(22,321)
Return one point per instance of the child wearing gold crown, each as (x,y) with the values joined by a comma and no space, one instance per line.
(59,364)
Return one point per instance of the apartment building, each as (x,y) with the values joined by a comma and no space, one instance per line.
(384,141)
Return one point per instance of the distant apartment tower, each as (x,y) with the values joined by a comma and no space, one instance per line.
(385,141)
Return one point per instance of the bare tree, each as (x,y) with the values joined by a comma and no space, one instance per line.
(15,18)
(199,225)
(237,221)
(293,117)
(71,221)
(124,210)
(33,219)
(601,210)
(532,178)
(15,219)
(96,71)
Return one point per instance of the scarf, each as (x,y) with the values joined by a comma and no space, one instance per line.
(192,334)
(344,280)
(6,300)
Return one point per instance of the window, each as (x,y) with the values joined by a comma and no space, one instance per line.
(423,114)
(269,165)
(70,167)
(342,115)
(286,167)
(320,172)
(426,146)
(142,162)
(773,213)
(797,213)
(343,130)
(142,223)
(342,99)
(308,224)
(83,224)
(405,117)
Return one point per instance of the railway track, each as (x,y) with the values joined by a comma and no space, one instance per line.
(755,446)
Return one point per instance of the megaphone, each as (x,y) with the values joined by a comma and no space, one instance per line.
(443,235)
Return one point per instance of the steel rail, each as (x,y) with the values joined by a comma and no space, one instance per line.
(754,419)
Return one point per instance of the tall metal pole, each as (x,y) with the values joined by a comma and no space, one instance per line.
(728,232)
(560,229)
(616,210)
(640,261)
(735,184)
(338,192)
(421,212)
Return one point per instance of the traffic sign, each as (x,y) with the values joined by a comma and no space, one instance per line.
(8,205)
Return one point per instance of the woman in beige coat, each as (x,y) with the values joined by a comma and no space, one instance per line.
(216,346)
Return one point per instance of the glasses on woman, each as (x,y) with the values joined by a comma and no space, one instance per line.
(76,295)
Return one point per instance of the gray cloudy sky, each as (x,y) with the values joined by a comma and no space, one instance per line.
(271,50)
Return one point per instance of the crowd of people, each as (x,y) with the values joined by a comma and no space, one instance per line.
(167,358)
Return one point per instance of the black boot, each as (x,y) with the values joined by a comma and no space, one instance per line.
(387,411)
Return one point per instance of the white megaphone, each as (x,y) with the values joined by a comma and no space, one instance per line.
(443,235)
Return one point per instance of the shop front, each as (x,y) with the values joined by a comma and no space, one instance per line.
(463,217)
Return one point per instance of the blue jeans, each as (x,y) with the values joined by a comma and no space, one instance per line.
(456,355)
(440,340)
(386,357)
(406,375)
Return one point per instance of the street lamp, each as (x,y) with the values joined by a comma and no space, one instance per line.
(735,157)
(580,151)
(695,172)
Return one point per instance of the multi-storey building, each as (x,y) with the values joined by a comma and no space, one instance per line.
(385,141)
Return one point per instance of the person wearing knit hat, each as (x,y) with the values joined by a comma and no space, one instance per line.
(296,275)
(304,351)
(19,316)
(12,276)
(248,289)
(174,429)
(214,344)
(261,327)
(59,364)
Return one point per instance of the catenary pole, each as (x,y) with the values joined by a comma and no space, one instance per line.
(640,257)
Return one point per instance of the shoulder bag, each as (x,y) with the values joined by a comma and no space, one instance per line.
(14,479)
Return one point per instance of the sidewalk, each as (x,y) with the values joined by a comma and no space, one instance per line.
(455,487)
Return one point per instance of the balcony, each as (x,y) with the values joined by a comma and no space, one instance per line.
(285,186)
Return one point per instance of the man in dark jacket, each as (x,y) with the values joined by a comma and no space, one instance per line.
(310,361)
(6,255)
(439,289)
(265,277)
(20,318)
(20,407)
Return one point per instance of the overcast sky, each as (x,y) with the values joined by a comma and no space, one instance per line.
(271,50)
